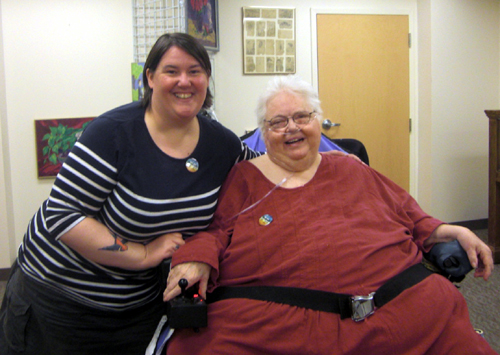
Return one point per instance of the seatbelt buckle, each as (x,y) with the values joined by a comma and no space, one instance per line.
(362,307)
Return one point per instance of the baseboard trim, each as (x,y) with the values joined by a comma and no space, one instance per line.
(474,224)
(4,274)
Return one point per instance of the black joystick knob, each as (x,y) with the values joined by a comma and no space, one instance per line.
(183,284)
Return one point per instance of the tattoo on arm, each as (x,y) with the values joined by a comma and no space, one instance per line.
(119,244)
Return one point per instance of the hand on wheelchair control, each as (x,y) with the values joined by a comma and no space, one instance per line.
(193,272)
(477,252)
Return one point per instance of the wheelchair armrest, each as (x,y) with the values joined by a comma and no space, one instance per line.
(450,259)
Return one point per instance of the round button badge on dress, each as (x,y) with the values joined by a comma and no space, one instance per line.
(265,220)
(192,165)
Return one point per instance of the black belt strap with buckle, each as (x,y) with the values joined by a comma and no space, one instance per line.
(321,300)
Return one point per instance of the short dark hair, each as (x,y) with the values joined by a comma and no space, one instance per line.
(187,43)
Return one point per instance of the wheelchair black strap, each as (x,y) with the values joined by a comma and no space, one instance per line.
(320,300)
(300,297)
(406,279)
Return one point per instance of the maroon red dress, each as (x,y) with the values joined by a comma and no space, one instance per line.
(348,230)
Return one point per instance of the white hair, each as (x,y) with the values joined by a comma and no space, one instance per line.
(289,83)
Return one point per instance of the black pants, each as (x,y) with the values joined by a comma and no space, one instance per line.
(36,319)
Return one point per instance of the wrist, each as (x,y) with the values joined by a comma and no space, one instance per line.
(142,257)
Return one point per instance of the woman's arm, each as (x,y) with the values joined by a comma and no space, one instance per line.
(479,253)
(198,259)
(427,231)
(96,242)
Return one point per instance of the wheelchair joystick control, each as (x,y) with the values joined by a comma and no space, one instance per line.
(183,283)
(188,310)
(450,259)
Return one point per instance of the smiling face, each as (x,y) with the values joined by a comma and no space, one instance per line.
(295,147)
(179,85)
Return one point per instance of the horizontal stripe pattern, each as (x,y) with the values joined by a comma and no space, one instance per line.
(96,183)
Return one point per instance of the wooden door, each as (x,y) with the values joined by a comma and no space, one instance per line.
(363,83)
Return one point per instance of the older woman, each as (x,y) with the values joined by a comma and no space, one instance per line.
(296,227)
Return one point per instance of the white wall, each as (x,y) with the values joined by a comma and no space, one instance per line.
(423,123)
(63,58)
(71,58)
(465,71)
(5,196)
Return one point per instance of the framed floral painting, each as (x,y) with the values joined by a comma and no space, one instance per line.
(54,140)
(203,22)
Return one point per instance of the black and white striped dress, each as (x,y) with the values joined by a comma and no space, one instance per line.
(117,174)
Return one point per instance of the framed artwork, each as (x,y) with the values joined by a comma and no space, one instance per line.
(268,40)
(54,140)
(137,81)
(203,22)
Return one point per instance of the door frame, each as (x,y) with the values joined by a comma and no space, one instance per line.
(412,23)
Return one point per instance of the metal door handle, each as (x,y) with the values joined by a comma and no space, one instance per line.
(327,124)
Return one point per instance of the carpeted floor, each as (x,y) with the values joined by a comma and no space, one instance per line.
(482,297)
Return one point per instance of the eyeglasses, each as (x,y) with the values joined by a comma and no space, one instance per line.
(279,123)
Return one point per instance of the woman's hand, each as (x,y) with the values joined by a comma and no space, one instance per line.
(342,154)
(161,248)
(478,252)
(193,272)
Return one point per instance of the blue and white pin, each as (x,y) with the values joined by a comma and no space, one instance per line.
(192,165)
(265,220)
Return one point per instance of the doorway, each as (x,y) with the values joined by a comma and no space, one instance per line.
(363,68)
